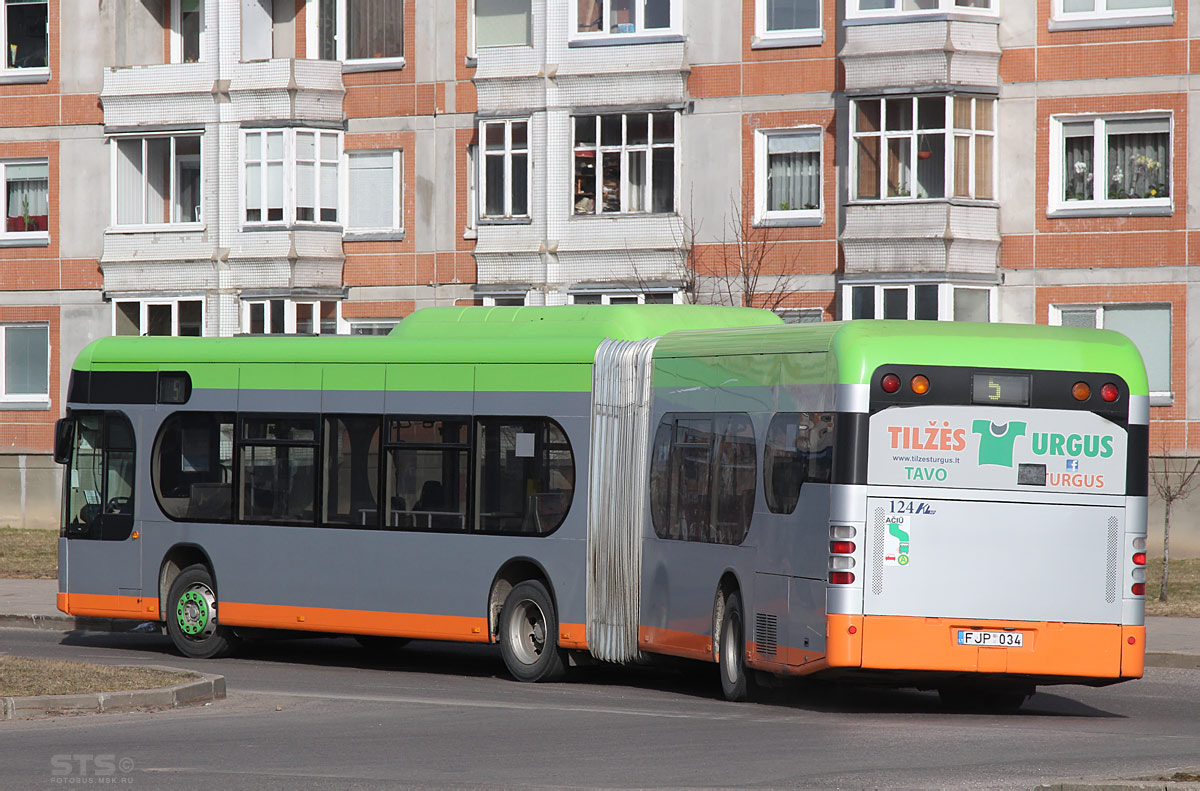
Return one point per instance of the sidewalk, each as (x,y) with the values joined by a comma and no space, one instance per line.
(1172,642)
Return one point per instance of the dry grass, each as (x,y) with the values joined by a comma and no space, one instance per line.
(1183,587)
(21,676)
(28,554)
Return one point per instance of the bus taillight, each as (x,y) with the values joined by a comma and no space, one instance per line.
(841,578)
(842,547)
(1109,392)
(890,383)
(1137,589)
(1139,558)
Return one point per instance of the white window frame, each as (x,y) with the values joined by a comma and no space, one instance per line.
(483,155)
(633,37)
(1057,204)
(799,36)
(854,12)
(20,238)
(114,163)
(1062,19)
(289,314)
(947,131)
(622,297)
(1157,397)
(177,32)
(397,221)
(624,149)
(502,299)
(290,176)
(945,298)
(762,213)
(144,312)
(9,73)
(313,45)
(472,229)
(23,400)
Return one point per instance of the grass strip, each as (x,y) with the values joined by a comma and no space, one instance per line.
(28,554)
(1183,587)
(24,676)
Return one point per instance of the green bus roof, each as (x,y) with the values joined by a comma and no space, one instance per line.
(563,334)
(859,347)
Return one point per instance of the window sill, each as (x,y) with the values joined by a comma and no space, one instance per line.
(612,215)
(619,39)
(789,220)
(24,76)
(189,227)
(981,202)
(892,19)
(1156,209)
(470,233)
(798,38)
(373,236)
(373,64)
(31,239)
(299,226)
(28,404)
(505,221)
(1103,23)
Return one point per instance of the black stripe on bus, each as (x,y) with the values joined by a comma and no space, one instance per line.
(1138,465)
(123,387)
(850,448)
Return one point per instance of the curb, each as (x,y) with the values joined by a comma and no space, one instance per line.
(1121,785)
(1186,661)
(207,688)
(70,623)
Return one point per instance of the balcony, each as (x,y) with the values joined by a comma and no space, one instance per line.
(921,237)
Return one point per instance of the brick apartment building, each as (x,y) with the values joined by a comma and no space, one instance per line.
(211,167)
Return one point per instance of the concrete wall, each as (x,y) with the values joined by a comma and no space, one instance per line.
(35,480)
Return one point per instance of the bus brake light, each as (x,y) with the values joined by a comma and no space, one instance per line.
(1109,392)
(890,383)
(841,547)
(1137,589)
(919,384)
(1139,558)
(1081,391)
(843,578)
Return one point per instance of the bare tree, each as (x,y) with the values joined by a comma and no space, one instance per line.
(1173,478)
(746,257)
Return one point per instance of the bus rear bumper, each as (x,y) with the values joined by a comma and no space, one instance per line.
(896,643)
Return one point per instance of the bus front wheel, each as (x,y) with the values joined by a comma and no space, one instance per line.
(192,616)
(736,683)
(529,634)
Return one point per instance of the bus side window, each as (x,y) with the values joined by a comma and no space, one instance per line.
(426,473)
(278,469)
(799,449)
(525,475)
(351,478)
(192,470)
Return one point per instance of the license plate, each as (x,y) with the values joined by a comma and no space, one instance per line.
(1005,639)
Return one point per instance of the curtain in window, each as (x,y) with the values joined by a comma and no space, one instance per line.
(26,360)
(1138,159)
(371,189)
(501,23)
(590,16)
(376,28)
(327,30)
(28,191)
(793,172)
(1077,161)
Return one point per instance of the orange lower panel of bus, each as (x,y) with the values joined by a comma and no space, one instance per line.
(936,644)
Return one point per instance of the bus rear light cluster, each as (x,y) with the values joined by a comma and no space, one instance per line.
(1082,391)
(919,384)
(1138,589)
(840,562)
(1139,558)
(841,547)
(842,531)
(841,578)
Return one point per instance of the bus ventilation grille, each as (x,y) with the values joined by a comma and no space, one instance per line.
(765,634)
(877,553)
(1114,562)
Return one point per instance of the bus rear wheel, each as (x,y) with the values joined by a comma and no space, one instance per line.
(529,634)
(192,616)
(736,683)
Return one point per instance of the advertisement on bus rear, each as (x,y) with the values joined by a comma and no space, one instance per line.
(997,448)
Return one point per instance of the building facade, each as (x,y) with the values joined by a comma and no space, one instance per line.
(212,167)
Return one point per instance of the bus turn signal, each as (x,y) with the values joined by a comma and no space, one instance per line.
(1081,391)
(919,384)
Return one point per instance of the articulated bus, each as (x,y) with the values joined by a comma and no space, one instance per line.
(956,507)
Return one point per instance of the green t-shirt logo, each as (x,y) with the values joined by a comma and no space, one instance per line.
(996,442)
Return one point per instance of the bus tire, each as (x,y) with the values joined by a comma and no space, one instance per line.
(192,620)
(529,634)
(736,683)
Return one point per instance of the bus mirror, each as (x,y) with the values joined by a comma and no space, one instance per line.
(64,436)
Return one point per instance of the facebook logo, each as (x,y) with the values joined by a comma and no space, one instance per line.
(1072,465)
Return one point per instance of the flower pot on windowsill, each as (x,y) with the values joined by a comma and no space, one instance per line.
(924,154)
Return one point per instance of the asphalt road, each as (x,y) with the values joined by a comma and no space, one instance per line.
(323,714)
